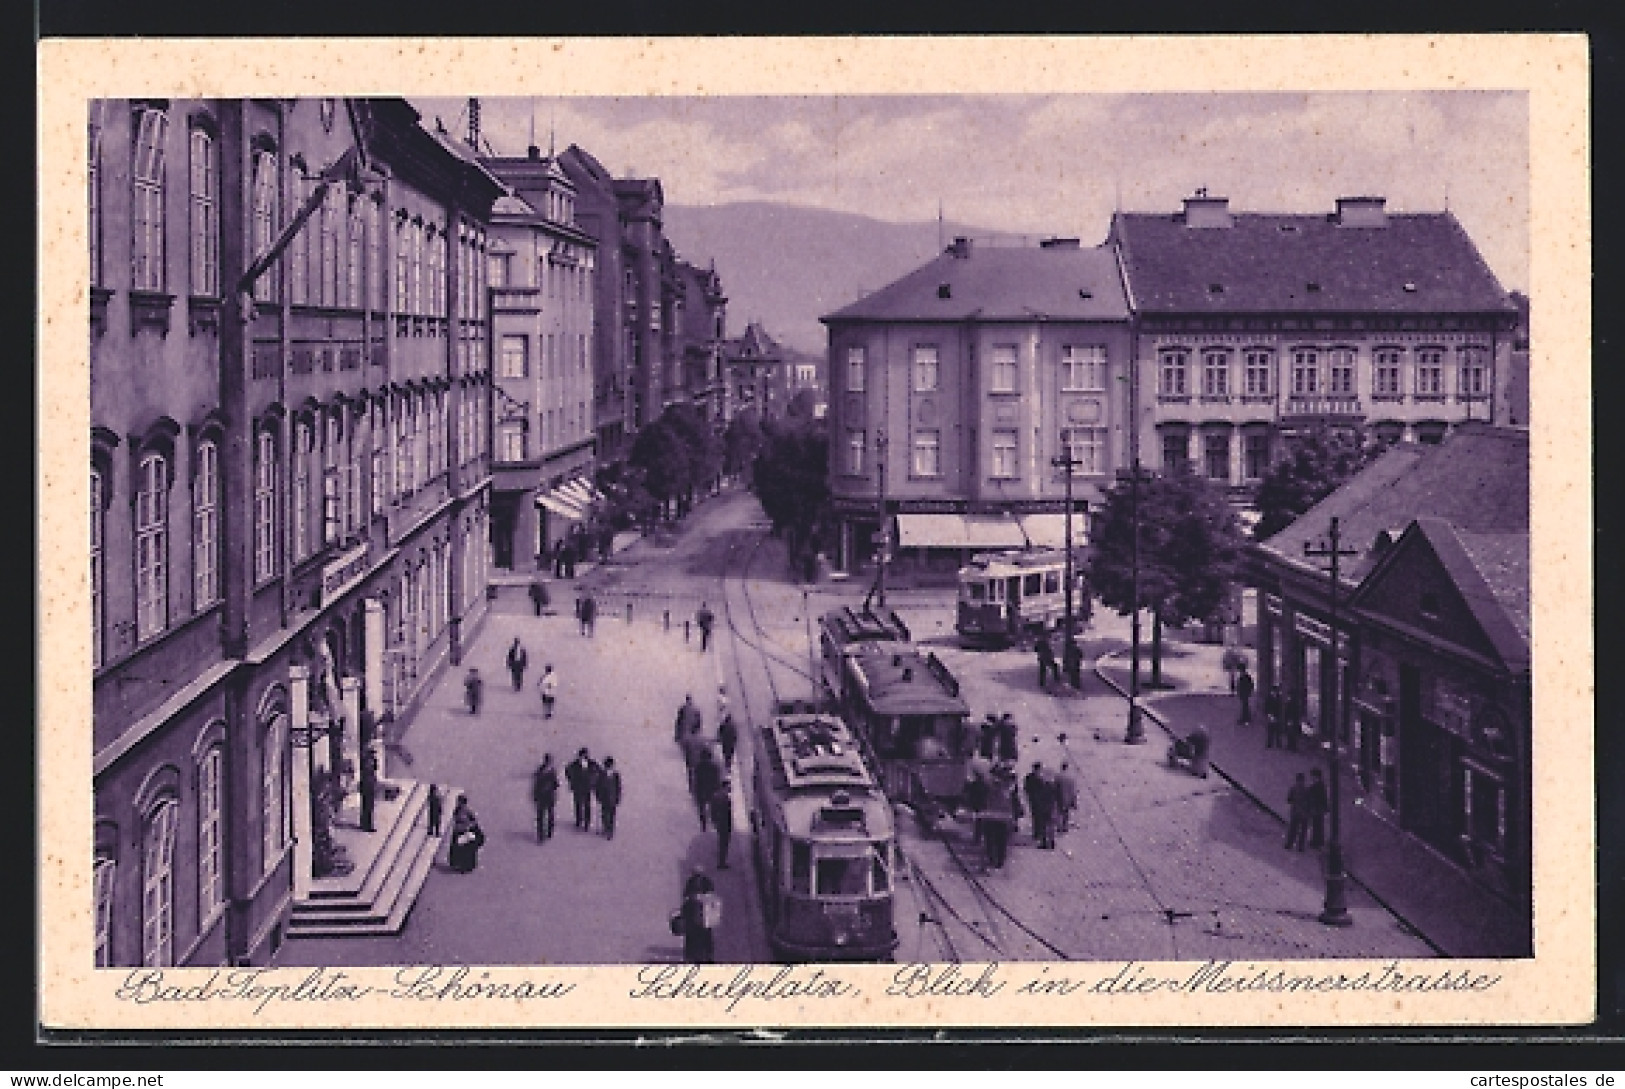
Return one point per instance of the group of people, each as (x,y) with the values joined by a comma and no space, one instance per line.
(710,785)
(1307,806)
(588,781)
(1051,671)
(1306,801)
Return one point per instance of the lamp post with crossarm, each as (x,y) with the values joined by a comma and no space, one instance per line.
(1333,717)
(1066,463)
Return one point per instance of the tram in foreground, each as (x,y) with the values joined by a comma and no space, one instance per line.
(1012,596)
(825,842)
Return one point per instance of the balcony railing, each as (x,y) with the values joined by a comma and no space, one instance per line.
(1323,406)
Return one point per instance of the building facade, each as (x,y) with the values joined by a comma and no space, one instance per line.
(699,322)
(543,278)
(1249,327)
(953,389)
(289,483)
(753,363)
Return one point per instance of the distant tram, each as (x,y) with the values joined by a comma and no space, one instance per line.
(1010,597)
(826,846)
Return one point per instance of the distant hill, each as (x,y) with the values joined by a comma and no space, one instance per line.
(785,265)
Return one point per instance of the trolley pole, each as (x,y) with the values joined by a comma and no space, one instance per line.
(1336,910)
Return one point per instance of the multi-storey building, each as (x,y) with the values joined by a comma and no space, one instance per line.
(1251,326)
(288,483)
(542,290)
(954,389)
(754,364)
(699,322)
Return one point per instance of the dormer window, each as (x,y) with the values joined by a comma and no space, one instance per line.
(1429,605)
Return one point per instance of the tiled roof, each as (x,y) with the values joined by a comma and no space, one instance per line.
(1000,284)
(1502,561)
(1267,263)
(1477,480)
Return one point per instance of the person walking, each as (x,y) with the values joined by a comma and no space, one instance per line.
(1003,813)
(1072,661)
(1274,734)
(1041,803)
(728,738)
(1244,695)
(544,791)
(695,746)
(473,691)
(1066,797)
(1297,807)
(466,838)
(538,595)
(1317,809)
(581,775)
(1007,738)
(437,802)
(699,913)
(589,615)
(548,686)
(722,818)
(1046,661)
(688,719)
(707,778)
(609,796)
(706,620)
(517,661)
(1291,721)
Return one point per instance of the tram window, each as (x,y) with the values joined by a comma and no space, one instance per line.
(800,867)
(976,591)
(1052,583)
(841,877)
(880,870)
(1030,585)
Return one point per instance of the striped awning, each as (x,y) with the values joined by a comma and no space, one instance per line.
(572,499)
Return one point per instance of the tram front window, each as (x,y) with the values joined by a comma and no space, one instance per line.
(975,592)
(880,869)
(800,867)
(842,875)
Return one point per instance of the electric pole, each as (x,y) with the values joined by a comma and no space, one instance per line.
(1334,714)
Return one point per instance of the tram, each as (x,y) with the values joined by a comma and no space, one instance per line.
(825,842)
(1011,596)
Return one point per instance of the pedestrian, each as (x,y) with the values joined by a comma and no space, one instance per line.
(548,686)
(609,796)
(1046,661)
(699,913)
(1297,808)
(473,691)
(1274,733)
(688,719)
(990,737)
(728,738)
(1291,721)
(722,817)
(1066,797)
(694,746)
(570,558)
(1318,808)
(538,595)
(707,778)
(1244,694)
(466,838)
(1041,803)
(437,802)
(705,618)
(517,661)
(1007,738)
(589,615)
(978,792)
(1072,660)
(1004,811)
(544,791)
(581,776)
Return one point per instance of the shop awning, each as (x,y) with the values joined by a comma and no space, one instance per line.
(958,531)
(561,506)
(570,499)
(1049,530)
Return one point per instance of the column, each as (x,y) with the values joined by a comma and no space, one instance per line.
(304,836)
(350,701)
(373,672)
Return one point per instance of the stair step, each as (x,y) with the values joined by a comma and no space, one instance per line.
(363,882)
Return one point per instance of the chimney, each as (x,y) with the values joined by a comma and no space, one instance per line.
(533,153)
(1361,212)
(1203,211)
(960,248)
(1060,243)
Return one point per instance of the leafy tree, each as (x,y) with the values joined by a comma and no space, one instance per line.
(1318,462)
(1190,551)
(701,446)
(791,480)
(802,405)
(662,462)
(742,441)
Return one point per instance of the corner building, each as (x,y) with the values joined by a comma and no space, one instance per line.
(289,481)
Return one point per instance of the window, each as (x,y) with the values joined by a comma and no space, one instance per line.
(1175,451)
(264,506)
(158,887)
(298,252)
(1429,605)
(1256,455)
(1216,374)
(206,526)
(328,256)
(1473,383)
(93,173)
(855,444)
(151,547)
(97,569)
(1004,455)
(332,484)
(1172,372)
(511,437)
(1004,368)
(210,859)
(205,216)
(927,453)
(1087,448)
(1385,380)
(1430,372)
(147,243)
(1259,367)
(354,515)
(925,368)
(273,787)
(375,489)
(264,220)
(105,874)
(299,503)
(496,270)
(1305,372)
(1216,455)
(354,266)
(842,876)
(403,264)
(856,365)
(513,357)
(1083,366)
(1340,373)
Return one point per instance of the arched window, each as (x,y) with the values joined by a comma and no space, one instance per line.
(354,266)
(403,262)
(264,216)
(376,273)
(264,506)
(299,503)
(97,565)
(206,526)
(210,846)
(354,451)
(105,875)
(205,226)
(151,546)
(158,885)
(332,490)
(376,431)
(147,173)
(328,256)
(273,786)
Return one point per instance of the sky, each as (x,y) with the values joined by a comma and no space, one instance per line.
(1056,164)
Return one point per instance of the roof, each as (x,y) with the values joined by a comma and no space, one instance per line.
(755,343)
(1000,284)
(897,680)
(512,204)
(1502,563)
(1269,262)
(1477,480)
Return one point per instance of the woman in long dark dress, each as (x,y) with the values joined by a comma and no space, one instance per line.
(466,838)
(699,947)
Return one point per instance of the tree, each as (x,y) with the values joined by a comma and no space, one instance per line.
(701,447)
(791,480)
(1190,552)
(659,455)
(802,405)
(1318,462)
(742,441)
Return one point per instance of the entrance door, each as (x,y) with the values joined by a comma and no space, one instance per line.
(1420,751)
(504,521)
(1370,750)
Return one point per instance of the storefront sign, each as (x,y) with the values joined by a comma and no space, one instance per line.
(342,571)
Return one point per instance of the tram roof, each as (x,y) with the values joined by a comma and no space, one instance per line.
(901,681)
(815,751)
(849,625)
(1024,559)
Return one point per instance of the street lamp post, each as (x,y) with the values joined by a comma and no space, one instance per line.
(885,522)
(1336,910)
(1135,734)
(1065,462)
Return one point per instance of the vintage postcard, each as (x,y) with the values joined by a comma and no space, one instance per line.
(955,532)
